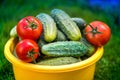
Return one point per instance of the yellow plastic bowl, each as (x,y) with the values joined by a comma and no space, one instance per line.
(83,70)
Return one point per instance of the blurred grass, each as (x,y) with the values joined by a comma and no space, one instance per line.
(11,11)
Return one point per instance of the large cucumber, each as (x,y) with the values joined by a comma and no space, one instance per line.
(65,48)
(49,26)
(58,61)
(66,24)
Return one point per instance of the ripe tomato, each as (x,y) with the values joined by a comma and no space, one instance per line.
(97,33)
(29,28)
(27,50)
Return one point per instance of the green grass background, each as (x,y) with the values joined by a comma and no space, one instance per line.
(11,11)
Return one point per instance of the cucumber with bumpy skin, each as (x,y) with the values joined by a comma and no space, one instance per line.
(80,22)
(58,61)
(49,26)
(60,36)
(66,24)
(65,48)
(91,48)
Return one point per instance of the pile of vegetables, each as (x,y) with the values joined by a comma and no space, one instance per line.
(58,39)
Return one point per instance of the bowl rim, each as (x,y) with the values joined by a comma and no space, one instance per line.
(50,69)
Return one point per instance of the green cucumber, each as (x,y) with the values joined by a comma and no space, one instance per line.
(66,24)
(60,36)
(80,22)
(49,26)
(41,41)
(58,61)
(65,48)
(91,48)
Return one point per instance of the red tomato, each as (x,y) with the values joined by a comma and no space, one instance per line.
(29,28)
(27,50)
(97,33)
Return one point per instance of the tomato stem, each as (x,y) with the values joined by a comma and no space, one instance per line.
(31,24)
(94,30)
(31,54)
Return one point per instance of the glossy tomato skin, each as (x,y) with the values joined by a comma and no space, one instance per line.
(100,38)
(29,28)
(25,46)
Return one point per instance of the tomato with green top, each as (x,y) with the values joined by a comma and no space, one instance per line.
(97,33)
(29,28)
(27,50)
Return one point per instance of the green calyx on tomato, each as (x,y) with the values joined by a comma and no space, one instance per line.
(31,24)
(94,30)
(31,55)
